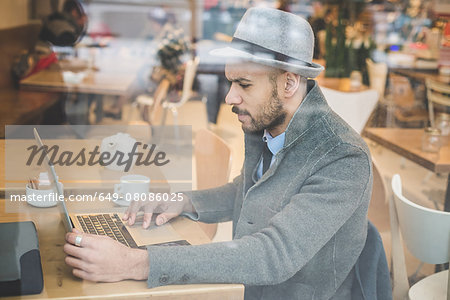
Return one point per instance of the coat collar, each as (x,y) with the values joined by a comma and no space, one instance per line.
(312,108)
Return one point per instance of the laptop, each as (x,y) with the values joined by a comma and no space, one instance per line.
(109,224)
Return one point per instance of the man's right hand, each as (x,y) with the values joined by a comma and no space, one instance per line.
(166,210)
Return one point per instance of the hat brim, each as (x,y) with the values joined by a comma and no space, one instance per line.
(235,54)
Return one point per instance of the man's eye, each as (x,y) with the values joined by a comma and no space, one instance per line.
(244,86)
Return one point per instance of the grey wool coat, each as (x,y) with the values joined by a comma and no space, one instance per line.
(298,231)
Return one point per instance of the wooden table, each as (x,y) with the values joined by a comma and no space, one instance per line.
(340,84)
(59,283)
(420,75)
(407,143)
(114,80)
(101,81)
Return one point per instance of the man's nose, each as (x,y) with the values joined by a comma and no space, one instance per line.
(233,97)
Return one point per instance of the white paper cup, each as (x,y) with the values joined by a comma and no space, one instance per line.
(132,187)
(42,197)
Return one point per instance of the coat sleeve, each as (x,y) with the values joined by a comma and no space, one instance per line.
(325,202)
(214,205)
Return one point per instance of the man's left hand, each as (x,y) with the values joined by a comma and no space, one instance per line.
(100,258)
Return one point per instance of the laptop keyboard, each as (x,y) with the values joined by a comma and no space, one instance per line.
(109,225)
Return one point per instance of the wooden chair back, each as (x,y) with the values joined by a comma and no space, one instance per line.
(439,93)
(379,204)
(187,93)
(377,76)
(213,160)
(401,91)
(213,165)
(155,116)
(189,76)
(407,110)
(378,212)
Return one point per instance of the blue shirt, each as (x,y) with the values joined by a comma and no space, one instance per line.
(274,144)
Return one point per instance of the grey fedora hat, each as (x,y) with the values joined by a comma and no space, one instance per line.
(274,38)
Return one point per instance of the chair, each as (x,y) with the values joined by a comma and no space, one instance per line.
(372,280)
(406,111)
(377,76)
(213,165)
(151,110)
(377,80)
(426,233)
(186,94)
(148,101)
(355,108)
(439,93)
(379,207)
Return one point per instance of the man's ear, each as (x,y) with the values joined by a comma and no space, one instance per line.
(292,84)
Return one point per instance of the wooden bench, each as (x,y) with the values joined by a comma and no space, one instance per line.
(23,107)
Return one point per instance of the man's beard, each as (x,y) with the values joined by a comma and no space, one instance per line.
(270,116)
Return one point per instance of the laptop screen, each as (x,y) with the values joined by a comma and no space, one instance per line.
(54,184)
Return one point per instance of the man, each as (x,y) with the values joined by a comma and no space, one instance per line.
(299,217)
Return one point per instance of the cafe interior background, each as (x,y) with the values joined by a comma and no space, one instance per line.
(112,72)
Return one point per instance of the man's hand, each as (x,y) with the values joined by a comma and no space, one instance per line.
(166,210)
(100,258)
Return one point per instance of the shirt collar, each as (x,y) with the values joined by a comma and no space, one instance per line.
(274,143)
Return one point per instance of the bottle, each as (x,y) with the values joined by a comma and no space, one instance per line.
(431,140)
(443,123)
(355,79)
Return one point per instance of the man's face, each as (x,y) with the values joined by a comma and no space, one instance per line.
(254,96)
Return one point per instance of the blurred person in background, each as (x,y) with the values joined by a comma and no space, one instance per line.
(172,46)
(360,43)
(283,5)
(318,24)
